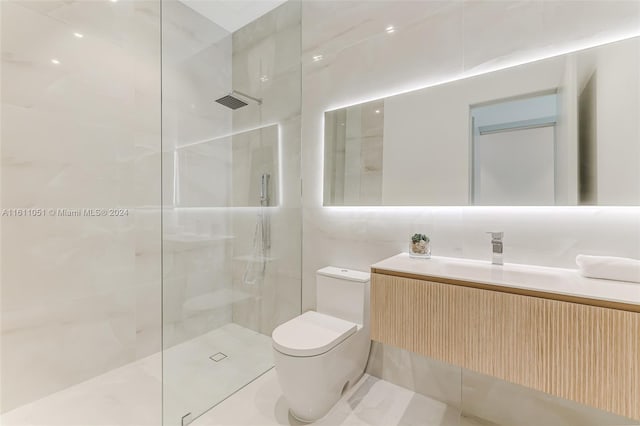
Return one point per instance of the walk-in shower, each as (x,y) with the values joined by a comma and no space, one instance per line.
(231,258)
(155,313)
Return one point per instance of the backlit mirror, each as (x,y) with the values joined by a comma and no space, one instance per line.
(560,131)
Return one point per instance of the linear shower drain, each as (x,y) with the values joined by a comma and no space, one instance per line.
(217,357)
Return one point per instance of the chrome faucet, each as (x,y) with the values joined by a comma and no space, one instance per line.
(496,244)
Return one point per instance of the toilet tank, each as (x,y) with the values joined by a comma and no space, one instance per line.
(343,293)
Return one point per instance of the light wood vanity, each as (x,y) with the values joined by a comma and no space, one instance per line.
(574,342)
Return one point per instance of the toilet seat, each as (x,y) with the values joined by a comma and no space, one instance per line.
(311,334)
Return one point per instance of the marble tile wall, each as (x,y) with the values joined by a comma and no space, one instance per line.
(349,57)
(196,273)
(210,253)
(80,129)
(266,64)
(197,237)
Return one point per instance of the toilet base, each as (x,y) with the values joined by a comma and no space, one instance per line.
(312,385)
(301,419)
(347,386)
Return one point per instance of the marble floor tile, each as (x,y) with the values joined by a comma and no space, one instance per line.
(371,402)
(132,395)
(129,395)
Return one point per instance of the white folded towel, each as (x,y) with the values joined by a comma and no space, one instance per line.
(609,268)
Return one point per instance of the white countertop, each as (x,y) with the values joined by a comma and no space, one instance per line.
(562,281)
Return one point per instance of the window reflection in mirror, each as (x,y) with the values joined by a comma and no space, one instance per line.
(514,151)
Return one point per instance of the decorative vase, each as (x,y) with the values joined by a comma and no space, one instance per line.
(420,246)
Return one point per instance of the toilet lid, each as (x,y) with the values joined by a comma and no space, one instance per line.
(311,333)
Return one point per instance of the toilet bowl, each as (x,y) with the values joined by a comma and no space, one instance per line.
(320,354)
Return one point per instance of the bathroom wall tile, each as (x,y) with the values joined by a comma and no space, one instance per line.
(273,22)
(255,153)
(196,272)
(70,286)
(348,23)
(148,281)
(590,17)
(266,64)
(60,346)
(521,19)
(198,238)
(47,173)
(369,67)
(268,68)
(79,134)
(505,403)
(146,186)
(190,114)
(204,174)
(358,237)
(58,257)
(265,300)
(186,33)
(435,379)
(539,27)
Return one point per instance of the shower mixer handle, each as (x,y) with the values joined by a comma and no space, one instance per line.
(264,187)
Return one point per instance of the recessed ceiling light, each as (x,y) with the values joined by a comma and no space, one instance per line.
(113,1)
(264,78)
(390,29)
(317,58)
(55,61)
(78,35)
(377,111)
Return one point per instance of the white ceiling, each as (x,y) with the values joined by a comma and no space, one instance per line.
(232,14)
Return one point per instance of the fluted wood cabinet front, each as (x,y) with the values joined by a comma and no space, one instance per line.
(588,354)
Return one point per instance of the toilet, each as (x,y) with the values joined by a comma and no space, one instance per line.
(320,354)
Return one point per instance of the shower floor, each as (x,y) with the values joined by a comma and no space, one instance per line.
(132,394)
(193,382)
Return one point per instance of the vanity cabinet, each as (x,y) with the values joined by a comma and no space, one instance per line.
(583,352)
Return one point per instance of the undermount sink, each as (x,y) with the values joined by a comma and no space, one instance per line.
(507,272)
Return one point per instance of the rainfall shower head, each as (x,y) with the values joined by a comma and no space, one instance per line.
(233,102)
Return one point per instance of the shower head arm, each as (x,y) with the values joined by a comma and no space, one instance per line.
(244,95)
